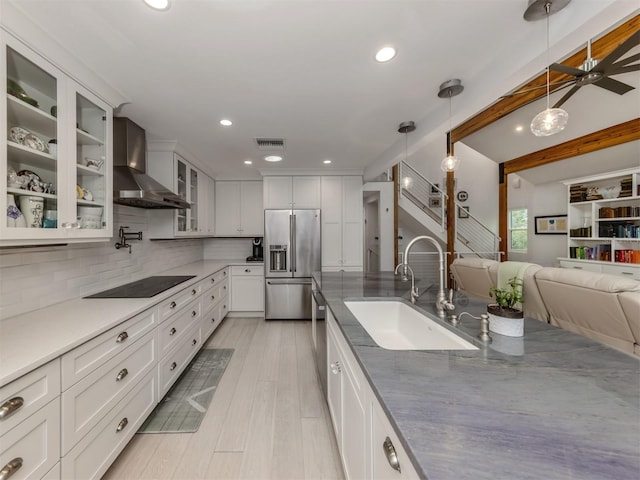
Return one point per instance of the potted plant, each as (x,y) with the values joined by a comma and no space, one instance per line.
(505,316)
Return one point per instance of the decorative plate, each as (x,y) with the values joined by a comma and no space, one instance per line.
(30,174)
(17,134)
(31,141)
(462,196)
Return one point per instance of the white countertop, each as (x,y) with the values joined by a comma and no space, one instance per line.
(34,338)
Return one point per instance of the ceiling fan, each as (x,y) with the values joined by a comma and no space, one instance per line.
(597,72)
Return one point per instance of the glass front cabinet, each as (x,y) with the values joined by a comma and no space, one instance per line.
(56,154)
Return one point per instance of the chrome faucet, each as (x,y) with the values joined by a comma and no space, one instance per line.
(443,304)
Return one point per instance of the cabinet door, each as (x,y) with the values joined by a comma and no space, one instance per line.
(227,208)
(182,177)
(34,86)
(352,232)
(331,206)
(207,201)
(334,386)
(194,199)
(354,445)
(91,128)
(306,192)
(247,293)
(252,214)
(277,192)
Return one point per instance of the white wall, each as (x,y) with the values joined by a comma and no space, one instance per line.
(385,222)
(36,277)
(540,200)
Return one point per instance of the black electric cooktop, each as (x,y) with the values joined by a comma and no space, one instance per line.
(145,288)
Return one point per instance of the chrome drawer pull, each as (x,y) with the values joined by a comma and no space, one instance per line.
(213,297)
(173,366)
(193,313)
(213,280)
(213,319)
(122,337)
(194,341)
(172,332)
(193,292)
(390,452)
(247,270)
(10,407)
(123,373)
(172,305)
(10,468)
(123,423)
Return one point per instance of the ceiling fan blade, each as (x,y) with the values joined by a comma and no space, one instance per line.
(613,85)
(566,96)
(627,60)
(624,69)
(620,50)
(559,67)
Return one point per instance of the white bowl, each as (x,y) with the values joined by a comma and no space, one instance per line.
(609,192)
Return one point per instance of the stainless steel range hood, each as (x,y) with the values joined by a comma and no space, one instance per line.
(131,185)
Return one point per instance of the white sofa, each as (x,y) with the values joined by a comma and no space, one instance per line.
(603,307)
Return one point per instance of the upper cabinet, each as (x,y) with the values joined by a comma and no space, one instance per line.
(239,211)
(57,153)
(604,223)
(175,173)
(342,232)
(292,192)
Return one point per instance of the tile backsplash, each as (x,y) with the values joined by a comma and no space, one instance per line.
(32,278)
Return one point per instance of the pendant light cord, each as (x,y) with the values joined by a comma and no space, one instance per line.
(547,7)
(449,135)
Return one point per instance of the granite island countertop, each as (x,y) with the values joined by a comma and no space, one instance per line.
(549,405)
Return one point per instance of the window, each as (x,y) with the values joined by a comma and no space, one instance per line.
(518,230)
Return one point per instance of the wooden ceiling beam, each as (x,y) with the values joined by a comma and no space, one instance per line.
(605,138)
(599,49)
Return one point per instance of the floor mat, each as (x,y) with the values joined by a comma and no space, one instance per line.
(185,405)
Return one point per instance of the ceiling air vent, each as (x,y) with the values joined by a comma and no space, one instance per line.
(271,144)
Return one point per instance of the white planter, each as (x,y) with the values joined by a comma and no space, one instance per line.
(511,327)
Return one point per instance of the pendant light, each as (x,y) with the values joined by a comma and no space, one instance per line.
(406,128)
(450,89)
(551,120)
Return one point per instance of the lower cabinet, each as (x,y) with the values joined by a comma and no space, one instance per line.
(247,288)
(368,445)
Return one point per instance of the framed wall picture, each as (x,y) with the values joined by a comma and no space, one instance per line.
(551,225)
(434,202)
(463,212)
(435,189)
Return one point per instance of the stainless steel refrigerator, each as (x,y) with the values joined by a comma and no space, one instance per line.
(292,253)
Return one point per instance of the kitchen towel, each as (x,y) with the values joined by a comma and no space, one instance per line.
(185,405)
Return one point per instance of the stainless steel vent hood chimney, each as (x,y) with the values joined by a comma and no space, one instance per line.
(131,185)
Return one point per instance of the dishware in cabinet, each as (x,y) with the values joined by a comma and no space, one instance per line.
(53,127)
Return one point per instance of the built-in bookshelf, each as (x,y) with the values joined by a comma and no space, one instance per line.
(604,222)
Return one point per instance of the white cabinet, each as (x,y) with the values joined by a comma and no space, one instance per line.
(291,192)
(247,288)
(368,445)
(175,173)
(215,302)
(238,208)
(347,407)
(342,228)
(604,223)
(69,183)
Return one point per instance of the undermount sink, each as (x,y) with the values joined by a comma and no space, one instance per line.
(395,325)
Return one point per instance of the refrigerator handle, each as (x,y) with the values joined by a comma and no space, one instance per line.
(294,234)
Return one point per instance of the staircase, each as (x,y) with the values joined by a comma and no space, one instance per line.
(426,203)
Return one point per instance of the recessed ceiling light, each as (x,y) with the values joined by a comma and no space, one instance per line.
(326,162)
(248,162)
(519,128)
(225,122)
(385,54)
(158,4)
(273,158)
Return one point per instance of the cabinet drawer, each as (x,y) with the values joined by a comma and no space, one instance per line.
(179,300)
(84,404)
(210,298)
(91,457)
(174,363)
(238,270)
(630,271)
(589,267)
(212,320)
(54,473)
(25,395)
(172,331)
(36,441)
(87,357)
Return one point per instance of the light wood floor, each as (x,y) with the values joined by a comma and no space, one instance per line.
(267,419)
